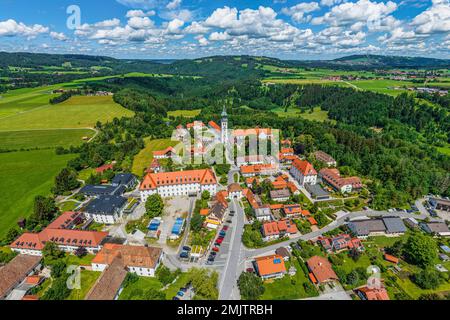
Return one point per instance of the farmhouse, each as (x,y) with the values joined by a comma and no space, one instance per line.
(366,293)
(183,183)
(15,272)
(343,185)
(105,209)
(303,172)
(270,267)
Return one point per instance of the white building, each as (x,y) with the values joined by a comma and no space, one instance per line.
(106,209)
(182,183)
(142,261)
(303,172)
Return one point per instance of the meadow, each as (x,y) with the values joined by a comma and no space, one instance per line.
(144,158)
(184,113)
(30,139)
(25,175)
(317,115)
(77,112)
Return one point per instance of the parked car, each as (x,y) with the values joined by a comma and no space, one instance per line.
(219,240)
(225,228)
(180,294)
(216,249)
(229,221)
(222,233)
(213,254)
(184,255)
(231,214)
(175,298)
(184,290)
(250,270)
(232,211)
(186,248)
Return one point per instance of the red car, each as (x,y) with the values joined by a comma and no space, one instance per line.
(225,228)
(219,240)
(216,249)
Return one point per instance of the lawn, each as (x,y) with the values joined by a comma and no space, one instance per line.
(76,261)
(28,139)
(175,287)
(184,113)
(68,206)
(77,112)
(88,279)
(25,175)
(317,115)
(287,288)
(135,290)
(144,158)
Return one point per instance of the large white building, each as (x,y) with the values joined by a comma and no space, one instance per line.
(303,172)
(182,183)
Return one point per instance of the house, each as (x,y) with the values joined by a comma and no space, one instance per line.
(321,271)
(280,195)
(286,152)
(216,214)
(167,153)
(303,172)
(61,233)
(391,258)
(295,211)
(258,133)
(104,168)
(263,214)
(105,209)
(124,179)
(312,221)
(340,243)
(283,252)
(440,204)
(412,223)
(325,158)
(317,192)
(109,285)
(155,167)
(102,190)
(387,226)
(15,272)
(366,293)
(280,183)
(253,199)
(182,183)
(250,181)
(436,228)
(344,185)
(286,143)
(258,170)
(278,229)
(235,191)
(270,267)
(142,261)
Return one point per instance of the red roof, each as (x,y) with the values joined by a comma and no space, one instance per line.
(270,265)
(312,221)
(321,268)
(163,152)
(276,227)
(215,126)
(304,167)
(155,180)
(64,220)
(392,259)
(104,168)
(374,293)
(333,177)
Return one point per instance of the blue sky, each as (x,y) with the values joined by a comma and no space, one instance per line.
(155,29)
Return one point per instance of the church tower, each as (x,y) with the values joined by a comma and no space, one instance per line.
(224,138)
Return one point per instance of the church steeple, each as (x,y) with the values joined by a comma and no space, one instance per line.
(224,112)
(224,125)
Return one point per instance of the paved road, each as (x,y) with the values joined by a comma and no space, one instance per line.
(188,224)
(335,224)
(230,274)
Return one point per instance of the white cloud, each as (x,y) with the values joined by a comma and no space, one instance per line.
(330,3)
(174,26)
(297,12)
(108,23)
(173,4)
(196,28)
(219,36)
(58,36)
(140,13)
(141,23)
(435,19)
(203,42)
(11,28)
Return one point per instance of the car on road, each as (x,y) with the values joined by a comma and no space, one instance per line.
(232,211)
(231,214)
(184,290)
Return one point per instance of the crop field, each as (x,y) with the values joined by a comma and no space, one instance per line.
(25,175)
(77,112)
(29,139)
(145,157)
(184,113)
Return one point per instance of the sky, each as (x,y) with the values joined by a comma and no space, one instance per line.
(175,29)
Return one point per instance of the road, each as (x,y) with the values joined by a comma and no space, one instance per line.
(230,274)
(192,201)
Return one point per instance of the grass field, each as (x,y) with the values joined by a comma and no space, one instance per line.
(305,81)
(16,140)
(135,290)
(318,114)
(184,113)
(25,175)
(77,112)
(88,278)
(145,157)
(383,86)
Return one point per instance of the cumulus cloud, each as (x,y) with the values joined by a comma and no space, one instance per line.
(297,12)
(435,19)
(10,28)
(58,36)
(140,13)
(173,4)
(142,4)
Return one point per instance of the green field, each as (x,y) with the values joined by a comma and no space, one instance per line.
(318,114)
(88,278)
(143,160)
(184,113)
(25,175)
(77,112)
(135,290)
(16,140)
(306,81)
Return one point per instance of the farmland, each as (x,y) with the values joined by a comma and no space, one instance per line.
(33,139)
(145,157)
(77,112)
(25,175)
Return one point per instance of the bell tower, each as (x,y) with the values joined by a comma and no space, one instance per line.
(224,123)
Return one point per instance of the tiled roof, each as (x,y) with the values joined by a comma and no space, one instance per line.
(131,256)
(104,168)
(215,126)
(163,152)
(155,180)
(324,157)
(321,269)
(374,293)
(391,258)
(304,167)
(270,265)
(15,271)
(109,283)
(257,169)
(65,220)
(235,187)
(333,177)
(278,227)
(251,132)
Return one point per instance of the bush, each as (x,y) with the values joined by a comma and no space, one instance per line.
(427,279)
(250,286)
